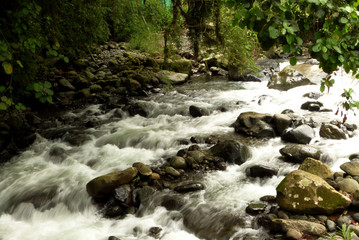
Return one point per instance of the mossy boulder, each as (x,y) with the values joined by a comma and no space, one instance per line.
(302,226)
(180,65)
(104,185)
(316,167)
(305,193)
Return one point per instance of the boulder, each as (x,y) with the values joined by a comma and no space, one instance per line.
(351,168)
(197,156)
(301,226)
(123,194)
(143,169)
(65,85)
(254,124)
(104,185)
(261,171)
(312,106)
(173,172)
(297,153)
(302,134)
(174,78)
(197,111)
(178,162)
(281,122)
(255,208)
(316,167)
(210,223)
(188,186)
(305,193)
(331,131)
(231,151)
(288,78)
(348,185)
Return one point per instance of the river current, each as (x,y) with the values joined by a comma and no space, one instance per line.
(43,197)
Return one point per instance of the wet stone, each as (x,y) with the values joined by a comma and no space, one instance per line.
(155,232)
(255,208)
(173,172)
(113,238)
(189,186)
(123,194)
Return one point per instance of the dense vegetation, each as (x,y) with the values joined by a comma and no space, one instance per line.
(37,34)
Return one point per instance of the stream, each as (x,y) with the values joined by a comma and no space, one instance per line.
(43,196)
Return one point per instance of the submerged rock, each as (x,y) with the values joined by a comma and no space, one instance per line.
(303,192)
(302,134)
(255,124)
(231,151)
(197,111)
(102,186)
(297,153)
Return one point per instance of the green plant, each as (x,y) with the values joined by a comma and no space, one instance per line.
(343,232)
(42,90)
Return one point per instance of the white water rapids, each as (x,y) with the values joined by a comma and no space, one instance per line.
(44,198)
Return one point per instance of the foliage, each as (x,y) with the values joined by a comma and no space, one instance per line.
(343,232)
(138,23)
(327,28)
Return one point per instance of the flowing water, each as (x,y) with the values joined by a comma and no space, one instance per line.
(43,197)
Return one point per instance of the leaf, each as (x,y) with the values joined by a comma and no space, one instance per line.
(47,84)
(49,99)
(3,106)
(316,48)
(66,60)
(7,55)
(343,20)
(322,88)
(324,49)
(2,89)
(293,61)
(38,87)
(273,32)
(299,41)
(38,95)
(290,39)
(336,48)
(7,67)
(2,58)
(341,58)
(286,48)
(20,64)
(3,98)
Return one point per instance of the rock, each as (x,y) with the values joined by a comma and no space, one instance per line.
(113,238)
(281,122)
(355,230)
(302,226)
(144,193)
(261,171)
(297,153)
(356,216)
(316,167)
(294,234)
(173,78)
(210,223)
(231,151)
(188,186)
(137,108)
(313,95)
(348,185)
(255,208)
(247,78)
(351,168)
(178,162)
(104,185)
(288,78)
(123,194)
(313,106)
(197,156)
(95,88)
(331,131)
(173,172)
(331,225)
(179,65)
(254,124)
(302,134)
(303,192)
(268,199)
(142,169)
(344,220)
(155,232)
(155,176)
(197,111)
(172,202)
(65,85)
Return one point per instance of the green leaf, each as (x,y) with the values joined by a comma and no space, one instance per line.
(341,58)
(47,84)
(322,88)
(273,32)
(49,99)
(290,39)
(299,41)
(3,98)
(3,106)
(293,61)
(316,47)
(66,60)
(2,89)
(38,87)
(2,58)
(7,55)
(336,48)
(20,64)
(324,49)
(7,67)
(38,95)
(343,20)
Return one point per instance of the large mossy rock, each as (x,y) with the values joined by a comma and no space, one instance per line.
(231,151)
(255,124)
(297,153)
(288,78)
(305,193)
(302,226)
(316,167)
(104,185)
